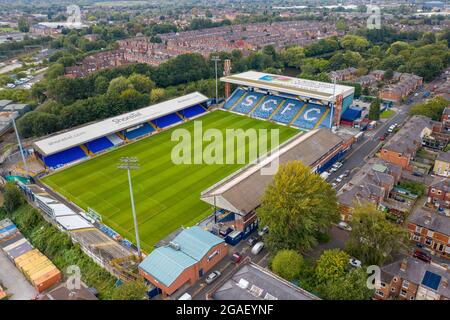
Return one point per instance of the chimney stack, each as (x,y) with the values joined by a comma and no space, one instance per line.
(404,265)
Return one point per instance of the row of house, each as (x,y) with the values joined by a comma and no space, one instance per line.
(96,62)
(406,84)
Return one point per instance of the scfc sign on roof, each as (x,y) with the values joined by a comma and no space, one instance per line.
(76,137)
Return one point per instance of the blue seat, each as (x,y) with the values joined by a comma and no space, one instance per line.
(309,117)
(233,98)
(167,120)
(288,111)
(248,102)
(139,132)
(267,107)
(98,145)
(64,157)
(192,111)
(325,123)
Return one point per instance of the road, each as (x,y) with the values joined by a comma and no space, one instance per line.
(13,281)
(368,145)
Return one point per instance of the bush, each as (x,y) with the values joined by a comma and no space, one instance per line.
(287,264)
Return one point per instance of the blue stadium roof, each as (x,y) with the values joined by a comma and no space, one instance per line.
(166,264)
(431,280)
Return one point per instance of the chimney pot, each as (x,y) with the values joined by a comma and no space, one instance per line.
(404,265)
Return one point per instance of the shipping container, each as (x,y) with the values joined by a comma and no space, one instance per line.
(38,269)
(16,237)
(19,250)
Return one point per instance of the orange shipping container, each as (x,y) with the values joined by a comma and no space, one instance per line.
(47,281)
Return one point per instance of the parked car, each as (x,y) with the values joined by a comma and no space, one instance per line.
(334,185)
(212,277)
(354,262)
(339,179)
(421,256)
(346,173)
(344,226)
(263,231)
(252,240)
(382,138)
(236,257)
(257,248)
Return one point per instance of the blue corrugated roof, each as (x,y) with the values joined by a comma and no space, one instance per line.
(166,264)
(351,114)
(431,280)
(196,242)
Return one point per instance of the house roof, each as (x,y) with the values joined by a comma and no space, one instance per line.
(421,273)
(444,156)
(167,263)
(430,220)
(251,282)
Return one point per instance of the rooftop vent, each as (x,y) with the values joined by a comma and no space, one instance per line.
(174,246)
(256,291)
(268,296)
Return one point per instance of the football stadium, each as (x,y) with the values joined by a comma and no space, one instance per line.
(169,195)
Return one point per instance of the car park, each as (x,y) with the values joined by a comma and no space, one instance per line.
(344,226)
(339,179)
(257,248)
(212,277)
(334,185)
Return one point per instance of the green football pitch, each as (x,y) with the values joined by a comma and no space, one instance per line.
(166,195)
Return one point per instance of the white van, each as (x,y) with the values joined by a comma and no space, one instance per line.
(257,248)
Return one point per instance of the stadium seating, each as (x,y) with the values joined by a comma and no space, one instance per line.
(167,120)
(139,132)
(288,111)
(325,123)
(115,139)
(64,157)
(248,102)
(192,111)
(235,96)
(98,145)
(310,116)
(267,107)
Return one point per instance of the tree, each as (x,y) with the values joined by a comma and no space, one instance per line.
(354,43)
(13,199)
(287,264)
(331,265)
(388,75)
(432,108)
(296,205)
(132,290)
(23,25)
(119,84)
(101,84)
(426,67)
(141,83)
(55,70)
(350,286)
(374,111)
(293,56)
(373,238)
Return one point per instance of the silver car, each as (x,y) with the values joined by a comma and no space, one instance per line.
(212,277)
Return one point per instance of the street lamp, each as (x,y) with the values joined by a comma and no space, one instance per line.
(131,163)
(216,59)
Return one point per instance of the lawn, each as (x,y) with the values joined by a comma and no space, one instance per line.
(387,114)
(167,195)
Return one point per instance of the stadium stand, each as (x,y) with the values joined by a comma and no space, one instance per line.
(139,132)
(99,144)
(250,100)
(287,111)
(192,111)
(115,139)
(235,96)
(267,107)
(64,157)
(310,116)
(167,120)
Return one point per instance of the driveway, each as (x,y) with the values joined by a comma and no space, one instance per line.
(13,280)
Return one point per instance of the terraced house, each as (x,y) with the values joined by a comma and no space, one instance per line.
(412,279)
